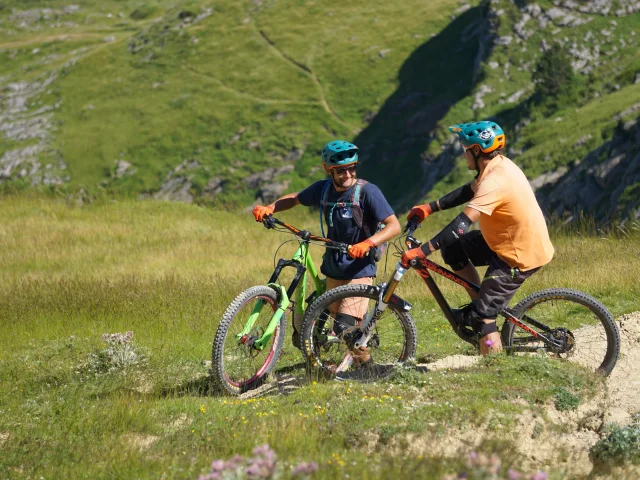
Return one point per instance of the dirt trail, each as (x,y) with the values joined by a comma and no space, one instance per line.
(50,38)
(558,440)
(624,382)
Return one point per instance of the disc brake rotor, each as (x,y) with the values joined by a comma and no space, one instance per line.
(565,339)
(248,341)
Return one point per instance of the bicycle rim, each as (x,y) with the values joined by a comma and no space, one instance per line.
(583,330)
(242,366)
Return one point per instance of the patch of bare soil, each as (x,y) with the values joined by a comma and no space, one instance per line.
(183,420)
(3,438)
(558,440)
(624,381)
(452,362)
(139,441)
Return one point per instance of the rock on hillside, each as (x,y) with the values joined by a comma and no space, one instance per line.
(605,183)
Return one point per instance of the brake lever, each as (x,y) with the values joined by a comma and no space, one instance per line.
(342,247)
(411,226)
(268,222)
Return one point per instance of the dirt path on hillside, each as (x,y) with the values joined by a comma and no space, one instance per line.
(51,38)
(556,440)
(624,382)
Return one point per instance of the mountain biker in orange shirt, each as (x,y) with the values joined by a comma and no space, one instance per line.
(513,239)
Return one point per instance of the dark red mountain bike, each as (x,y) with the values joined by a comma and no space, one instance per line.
(558,322)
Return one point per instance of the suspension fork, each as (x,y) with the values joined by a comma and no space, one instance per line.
(284,296)
(386,294)
(283,304)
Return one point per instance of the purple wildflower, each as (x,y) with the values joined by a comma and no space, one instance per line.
(513,474)
(305,468)
(211,476)
(254,470)
(489,343)
(540,476)
(234,462)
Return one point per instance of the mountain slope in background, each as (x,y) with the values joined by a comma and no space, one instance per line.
(231,102)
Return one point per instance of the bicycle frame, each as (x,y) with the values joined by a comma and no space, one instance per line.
(303,263)
(424,267)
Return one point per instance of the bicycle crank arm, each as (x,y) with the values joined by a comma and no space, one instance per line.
(345,364)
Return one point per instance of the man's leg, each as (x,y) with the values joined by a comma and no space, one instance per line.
(350,311)
(498,287)
(467,253)
(470,274)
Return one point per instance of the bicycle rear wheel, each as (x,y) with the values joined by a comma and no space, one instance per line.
(237,366)
(582,328)
(393,341)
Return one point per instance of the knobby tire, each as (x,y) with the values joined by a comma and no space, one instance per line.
(570,299)
(219,368)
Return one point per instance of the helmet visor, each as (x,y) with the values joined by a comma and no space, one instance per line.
(342,158)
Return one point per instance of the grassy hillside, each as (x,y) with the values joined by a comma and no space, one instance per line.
(167,271)
(231,102)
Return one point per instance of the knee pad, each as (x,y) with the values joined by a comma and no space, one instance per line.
(344,321)
(453,258)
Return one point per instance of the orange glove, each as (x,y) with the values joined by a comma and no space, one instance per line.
(414,253)
(359,250)
(420,211)
(259,212)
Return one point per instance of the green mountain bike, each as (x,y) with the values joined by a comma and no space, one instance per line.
(251,334)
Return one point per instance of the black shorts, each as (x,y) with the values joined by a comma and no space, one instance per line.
(500,282)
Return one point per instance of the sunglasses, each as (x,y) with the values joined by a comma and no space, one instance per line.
(341,171)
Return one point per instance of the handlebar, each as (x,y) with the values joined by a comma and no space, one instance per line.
(271,222)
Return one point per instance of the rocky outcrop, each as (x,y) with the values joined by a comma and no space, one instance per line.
(157,34)
(20,122)
(31,19)
(177,184)
(268,189)
(606,183)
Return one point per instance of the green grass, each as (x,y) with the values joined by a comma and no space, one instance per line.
(167,271)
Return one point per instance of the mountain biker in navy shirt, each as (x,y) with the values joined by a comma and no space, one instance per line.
(339,159)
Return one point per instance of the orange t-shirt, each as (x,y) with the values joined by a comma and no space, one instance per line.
(511,220)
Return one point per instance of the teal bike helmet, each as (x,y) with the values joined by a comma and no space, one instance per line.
(339,153)
(487,135)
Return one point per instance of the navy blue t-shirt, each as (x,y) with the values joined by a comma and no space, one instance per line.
(375,208)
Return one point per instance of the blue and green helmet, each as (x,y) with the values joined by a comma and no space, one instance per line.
(339,153)
(487,135)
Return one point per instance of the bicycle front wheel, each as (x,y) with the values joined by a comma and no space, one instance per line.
(237,364)
(323,342)
(582,329)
